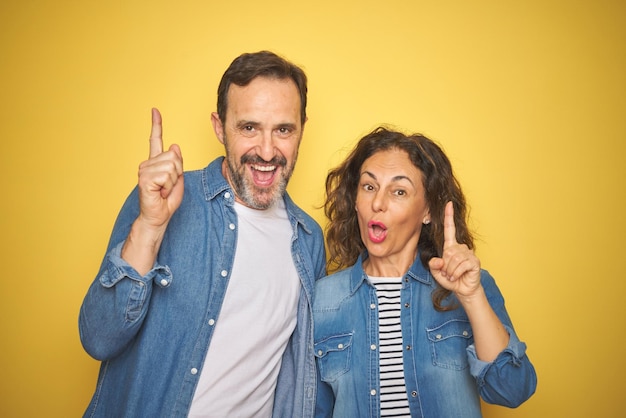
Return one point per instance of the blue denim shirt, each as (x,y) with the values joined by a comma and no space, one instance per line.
(152,333)
(444,378)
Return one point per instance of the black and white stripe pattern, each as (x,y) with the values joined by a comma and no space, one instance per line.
(393,398)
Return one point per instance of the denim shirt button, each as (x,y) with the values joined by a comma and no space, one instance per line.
(373,392)
(227,195)
(373,306)
(163,282)
(231,226)
(408,347)
(407,305)
(224,273)
(373,347)
(414,393)
(194,371)
(211,321)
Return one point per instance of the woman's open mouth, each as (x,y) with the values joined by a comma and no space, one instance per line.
(377,231)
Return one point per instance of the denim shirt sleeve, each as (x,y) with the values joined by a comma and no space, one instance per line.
(510,379)
(116,304)
(118,298)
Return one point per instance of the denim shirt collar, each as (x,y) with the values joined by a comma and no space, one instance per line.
(416,272)
(213,181)
(214,184)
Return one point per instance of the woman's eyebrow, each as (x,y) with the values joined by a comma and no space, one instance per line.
(393,179)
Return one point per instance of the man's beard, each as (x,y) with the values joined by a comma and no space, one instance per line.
(245,189)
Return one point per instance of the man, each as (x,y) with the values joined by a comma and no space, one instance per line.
(202,305)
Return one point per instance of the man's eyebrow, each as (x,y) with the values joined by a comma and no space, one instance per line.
(289,125)
(243,123)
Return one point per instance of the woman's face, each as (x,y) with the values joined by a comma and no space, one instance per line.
(391,208)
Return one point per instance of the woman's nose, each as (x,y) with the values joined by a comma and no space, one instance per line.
(379,203)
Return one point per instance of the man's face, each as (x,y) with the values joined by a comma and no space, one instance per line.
(261,133)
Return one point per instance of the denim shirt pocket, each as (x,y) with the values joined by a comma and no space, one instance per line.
(448,343)
(333,356)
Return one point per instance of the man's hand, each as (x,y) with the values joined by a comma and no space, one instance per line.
(161,181)
(161,186)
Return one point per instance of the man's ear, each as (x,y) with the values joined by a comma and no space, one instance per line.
(218,128)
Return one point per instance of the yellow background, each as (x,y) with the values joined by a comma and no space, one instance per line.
(527,98)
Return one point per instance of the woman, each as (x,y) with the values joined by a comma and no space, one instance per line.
(412,326)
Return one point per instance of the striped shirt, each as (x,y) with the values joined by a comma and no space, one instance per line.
(393,398)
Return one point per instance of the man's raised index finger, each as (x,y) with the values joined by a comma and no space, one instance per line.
(449,229)
(156,134)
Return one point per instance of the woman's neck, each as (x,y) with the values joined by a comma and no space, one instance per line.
(387,266)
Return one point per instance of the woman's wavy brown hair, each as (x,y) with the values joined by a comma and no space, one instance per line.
(440,186)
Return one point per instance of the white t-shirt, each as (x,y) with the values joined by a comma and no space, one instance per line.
(257,319)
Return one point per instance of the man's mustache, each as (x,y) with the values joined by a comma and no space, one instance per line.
(255,159)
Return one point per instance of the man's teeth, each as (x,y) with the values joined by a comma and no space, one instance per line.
(264,167)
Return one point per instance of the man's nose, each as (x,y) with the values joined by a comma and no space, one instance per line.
(265,147)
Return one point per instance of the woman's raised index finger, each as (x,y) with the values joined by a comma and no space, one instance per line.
(449,229)
(156,134)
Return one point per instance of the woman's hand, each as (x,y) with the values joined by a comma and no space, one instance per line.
(458,270)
